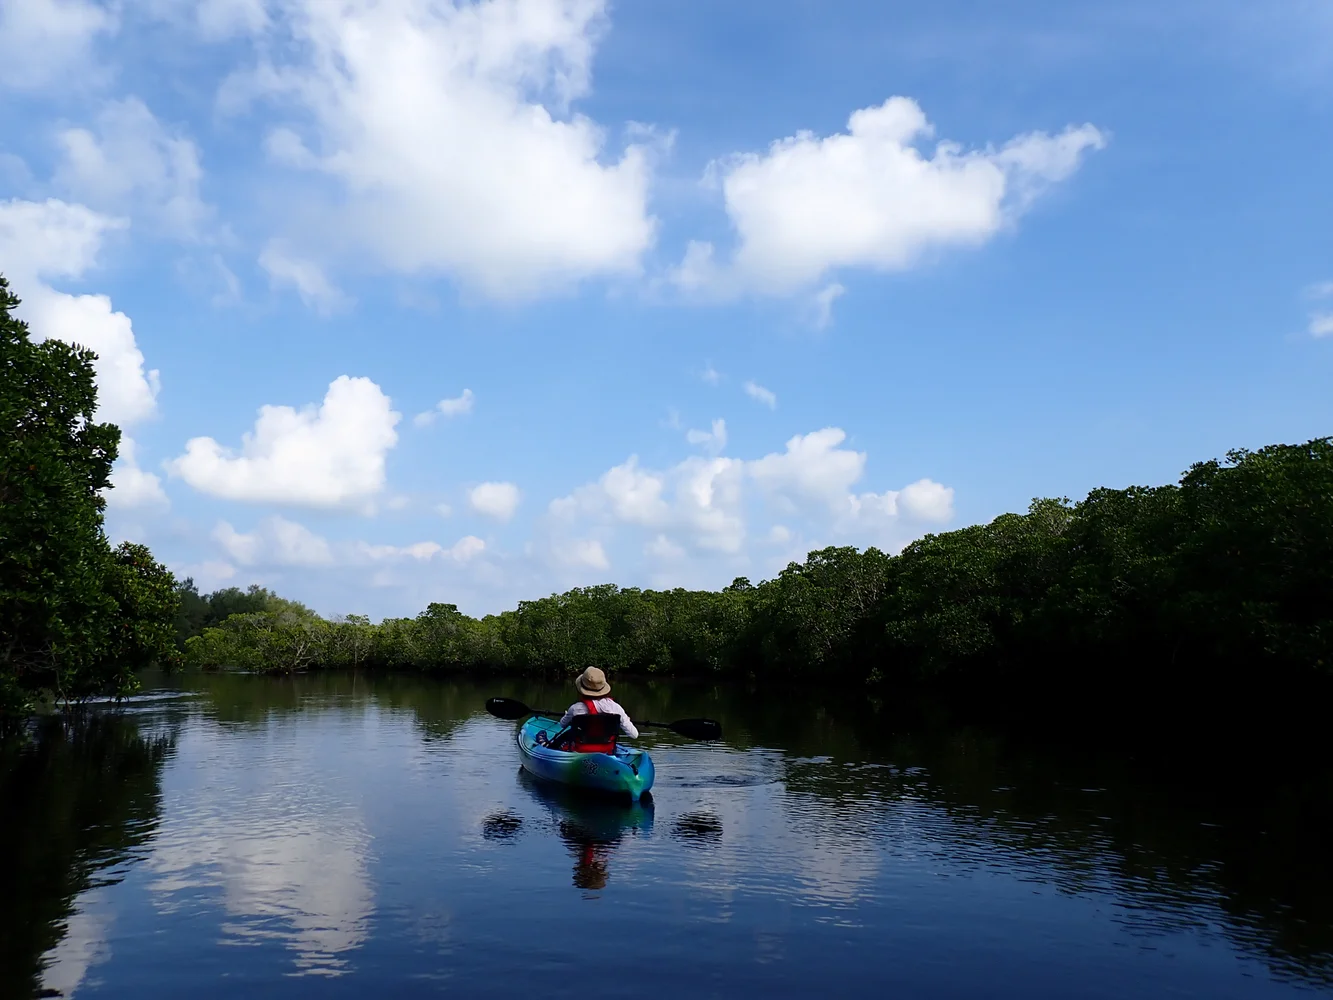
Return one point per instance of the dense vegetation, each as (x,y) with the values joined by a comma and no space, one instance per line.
(77,616)
(1226,577)
(1223,581)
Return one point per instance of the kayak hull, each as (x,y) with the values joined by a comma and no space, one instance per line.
(628,772)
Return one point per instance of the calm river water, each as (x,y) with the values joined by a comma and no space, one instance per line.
(349,837)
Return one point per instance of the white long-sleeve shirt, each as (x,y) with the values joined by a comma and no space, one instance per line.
(605,706)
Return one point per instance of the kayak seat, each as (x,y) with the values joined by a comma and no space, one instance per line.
(593,733)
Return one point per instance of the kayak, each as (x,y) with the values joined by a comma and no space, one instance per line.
(628,771)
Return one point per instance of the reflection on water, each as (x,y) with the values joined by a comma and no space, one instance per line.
(502,826)
(81,801)
(378,833)
(698,829)
(591,826)
(280,841)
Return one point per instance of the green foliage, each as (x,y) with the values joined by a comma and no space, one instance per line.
(1227,575)
(75,616)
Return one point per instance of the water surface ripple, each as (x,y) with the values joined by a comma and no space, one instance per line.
(337,836)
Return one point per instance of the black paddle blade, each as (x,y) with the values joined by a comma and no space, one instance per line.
(507,708)
(697,729)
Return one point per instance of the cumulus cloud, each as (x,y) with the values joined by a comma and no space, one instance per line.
(815,470)
(126,393)
(448,130)
(662,547)
(131,162)
(581,553)
(870,198)
(1321,325)
(465,549)
(52,238)
(332,455)
(497,500)
(710,374)
(758,393)
(40,241)
(707,505)
(45,42)
(132,487)
(812,468)
(454,407)
(288,270)
(276,542)
(699,497)
(714,440)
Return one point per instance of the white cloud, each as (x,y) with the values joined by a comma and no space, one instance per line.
(497,500)
(329,456)
(706,505)
(585,553)
(285,269)
(51,239)
(1321,325)
(132,163)
(926,500)
(45,42)
(207,575)
(813,468)
(870,198)
(710,374)
(714,441)
(699,498)
(662,547)
(126,394)
(1321,290)
(276,542)
(211,20)
(757,392)
(447,408)
(824,299)
(466,548)
(443,509)
(447,126)
(54,239)
(132,487)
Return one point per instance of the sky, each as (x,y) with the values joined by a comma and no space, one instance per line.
(475,302)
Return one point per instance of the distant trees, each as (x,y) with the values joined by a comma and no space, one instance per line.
(77,617)
(1226,576)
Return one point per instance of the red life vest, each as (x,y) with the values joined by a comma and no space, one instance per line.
(578,747)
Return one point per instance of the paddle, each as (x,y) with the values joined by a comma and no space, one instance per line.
(695,729)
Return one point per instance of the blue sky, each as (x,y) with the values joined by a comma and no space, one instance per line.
(417,301)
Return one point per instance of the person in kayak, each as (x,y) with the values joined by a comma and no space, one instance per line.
(595,701)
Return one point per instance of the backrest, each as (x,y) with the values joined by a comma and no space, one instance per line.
(599,728)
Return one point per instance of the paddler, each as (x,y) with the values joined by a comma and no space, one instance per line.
(595,690)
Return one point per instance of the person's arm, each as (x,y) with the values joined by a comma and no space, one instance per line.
(626,726)
(578,708)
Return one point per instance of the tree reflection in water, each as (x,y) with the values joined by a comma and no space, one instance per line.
(88,792)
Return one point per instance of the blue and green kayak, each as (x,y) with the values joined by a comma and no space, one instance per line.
(628,771)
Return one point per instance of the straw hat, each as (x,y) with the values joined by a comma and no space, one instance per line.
(592,682)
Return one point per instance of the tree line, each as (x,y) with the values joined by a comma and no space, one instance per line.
(1221,581)
(78,616)
(1225,578)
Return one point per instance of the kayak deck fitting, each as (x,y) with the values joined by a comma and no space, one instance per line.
(628,771)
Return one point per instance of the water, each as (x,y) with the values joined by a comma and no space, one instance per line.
(339,836)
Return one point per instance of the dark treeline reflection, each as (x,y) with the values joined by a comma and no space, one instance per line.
(81,799)
(1222,826)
